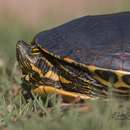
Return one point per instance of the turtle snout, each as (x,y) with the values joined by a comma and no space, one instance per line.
(22,46)
(22,49)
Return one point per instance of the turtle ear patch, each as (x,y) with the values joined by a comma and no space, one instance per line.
(35,50)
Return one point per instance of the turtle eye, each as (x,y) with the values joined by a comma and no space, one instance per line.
(35,50)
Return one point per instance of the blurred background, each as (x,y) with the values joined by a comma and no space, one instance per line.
(34,12)
(22,19)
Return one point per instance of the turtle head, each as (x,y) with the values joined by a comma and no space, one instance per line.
(27,56)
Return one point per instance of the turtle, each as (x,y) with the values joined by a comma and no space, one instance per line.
(88,57)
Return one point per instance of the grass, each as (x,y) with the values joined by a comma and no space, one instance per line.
(16,114)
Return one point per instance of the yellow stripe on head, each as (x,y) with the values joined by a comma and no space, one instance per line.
(52,75)
(37,70)
(63,80)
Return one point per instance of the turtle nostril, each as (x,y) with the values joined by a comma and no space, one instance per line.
(18,44)
(22,44)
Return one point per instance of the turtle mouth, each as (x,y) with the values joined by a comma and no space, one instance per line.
(22,50)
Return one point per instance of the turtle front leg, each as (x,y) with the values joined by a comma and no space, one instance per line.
(66,94)
(69,98)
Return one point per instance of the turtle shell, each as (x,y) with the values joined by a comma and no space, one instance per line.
(101,40)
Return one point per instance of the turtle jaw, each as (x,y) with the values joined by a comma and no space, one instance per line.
(23,58)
